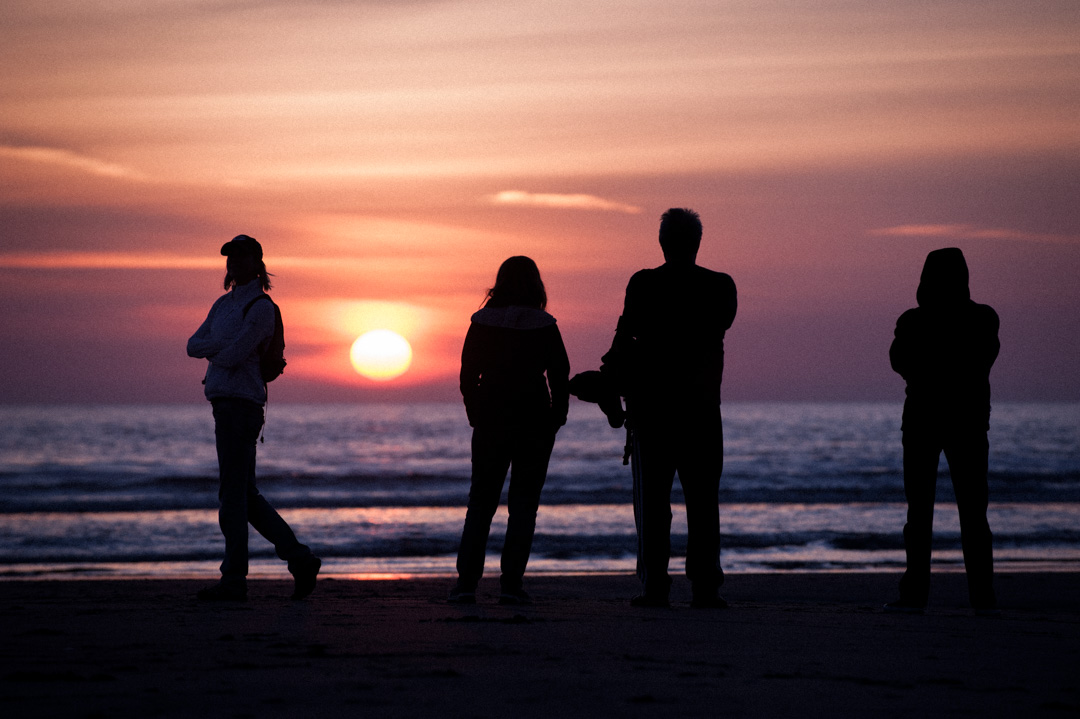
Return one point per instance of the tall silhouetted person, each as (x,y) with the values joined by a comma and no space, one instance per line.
(239,326)
(511,345)
(669,354)
(944,349)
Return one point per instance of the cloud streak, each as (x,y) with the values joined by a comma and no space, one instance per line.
(970,232)
(66,158)
(561,201)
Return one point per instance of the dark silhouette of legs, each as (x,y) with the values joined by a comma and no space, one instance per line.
(921,455)
(966,453)
(694,451)
(524,452)
(237,425)
(701,463)
(528,471)
(967,457)
(653,463)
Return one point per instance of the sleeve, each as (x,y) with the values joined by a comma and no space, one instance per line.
(730,305)
(993,344)
(469,378)
(900,352)
(257,328)
(200,344)
(558,377)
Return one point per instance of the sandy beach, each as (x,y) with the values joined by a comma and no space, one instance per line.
(807,645)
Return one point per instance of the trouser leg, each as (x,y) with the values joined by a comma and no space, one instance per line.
(528,470)
(653,466)
(921,457)
(236,429)
(700,465)
(490,461)
(267,522)
(967,459)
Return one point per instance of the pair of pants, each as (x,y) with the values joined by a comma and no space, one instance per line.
(236,427)
(694,450)
(966,453)
(524,451)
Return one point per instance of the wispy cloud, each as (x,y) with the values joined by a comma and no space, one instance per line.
(104,261)
(61,260)
(66,158)
(969,232)
(561,201)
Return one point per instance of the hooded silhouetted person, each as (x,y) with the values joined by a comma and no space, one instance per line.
(944,349)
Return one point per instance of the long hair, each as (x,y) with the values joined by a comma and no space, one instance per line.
(262,275)
(517,283)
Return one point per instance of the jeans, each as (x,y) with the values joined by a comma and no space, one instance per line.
(694,450)
(236,427)
(525,451)
(966,453)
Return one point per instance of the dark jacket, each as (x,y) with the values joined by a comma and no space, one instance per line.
(507,352)
(944,349)
(670,341)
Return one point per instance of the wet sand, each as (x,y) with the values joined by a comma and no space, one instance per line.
(790,645)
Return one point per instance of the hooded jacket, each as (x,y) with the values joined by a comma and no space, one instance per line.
(507,353)
(944,349)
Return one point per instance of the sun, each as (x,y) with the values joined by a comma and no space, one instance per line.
(381,355)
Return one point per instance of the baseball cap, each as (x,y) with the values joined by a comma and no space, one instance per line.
(242,245)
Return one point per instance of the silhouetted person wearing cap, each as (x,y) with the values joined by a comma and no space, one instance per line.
(669,353)
(944,349)
(230,338)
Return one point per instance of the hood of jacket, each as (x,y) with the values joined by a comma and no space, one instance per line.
(944,279)
(513,317)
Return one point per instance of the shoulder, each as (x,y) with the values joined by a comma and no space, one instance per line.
(260,308)
(515,318)
(909,317)
(720,280)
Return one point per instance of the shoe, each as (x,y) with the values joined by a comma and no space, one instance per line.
(514,596)
(902,606)
(304,577)
(459,595)
(986,610)
(709,602)
(645,600)
(223,593)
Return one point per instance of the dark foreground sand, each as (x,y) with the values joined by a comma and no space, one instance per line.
(790,646)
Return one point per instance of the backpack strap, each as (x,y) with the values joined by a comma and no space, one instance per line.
(262,296)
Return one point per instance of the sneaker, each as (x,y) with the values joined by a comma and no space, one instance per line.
(514,596)
(652,601)
(304,576)
(903,606)
(458,595)
(223,593)
(709,602)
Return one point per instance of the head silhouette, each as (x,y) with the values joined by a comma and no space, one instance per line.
(243,248)
(680,235)
(518,283)
(944,279)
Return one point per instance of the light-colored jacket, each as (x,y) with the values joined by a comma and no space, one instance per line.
(231,341)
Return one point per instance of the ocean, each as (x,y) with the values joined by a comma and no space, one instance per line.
(380,491)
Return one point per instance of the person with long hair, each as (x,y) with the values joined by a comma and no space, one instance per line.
(231,338)
(511,345)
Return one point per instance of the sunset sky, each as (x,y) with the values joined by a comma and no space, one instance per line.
(390,154)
